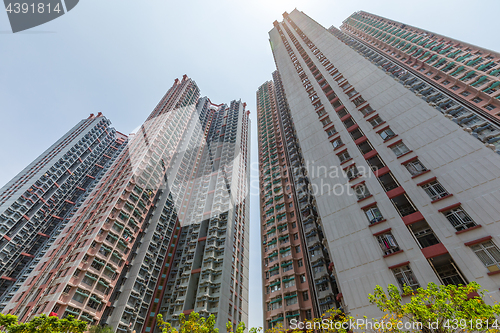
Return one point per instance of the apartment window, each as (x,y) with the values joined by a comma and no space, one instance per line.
(489,254)
(331,131)
(373,214)
(345,85)
(387,243)
(352,172)
(361,191)
(349,123)
(305,296)
(366,110)
(403,205)
(405,276)
(80,295)
(491,89)
(437,77)
(435,190)
(465,93)
(356,134)
(273,305)
(446,82)
(459,219)
(288,282)
(77,272)
(89,279)
(387,134)
(375,163)
(342,113)
(302,278)
(424,234)
(318,268)
(455,88)
(285,253)
(275,287)
(376,121)
(308,314)
(490,107)
(415,167)
(477,100)
(291,299)
(297,249)
(336,104)
(300,263)
(400,149)
(294,225)
(344,156)
(326,121)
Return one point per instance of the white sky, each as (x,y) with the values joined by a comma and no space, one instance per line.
(120,57)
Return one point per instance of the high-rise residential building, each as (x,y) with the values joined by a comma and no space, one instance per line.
(298,282)
(404,174)
(164,231)
(469,73)
(210,268)
(37,203)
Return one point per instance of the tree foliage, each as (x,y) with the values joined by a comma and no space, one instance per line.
(101,329)
(42,324)
(333,320)
(442,309)
(196,324)
(439,309)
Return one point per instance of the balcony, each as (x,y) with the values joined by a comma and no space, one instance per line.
(365,147)
(446,270)
(312,239)
(388,182)
(424,234)
(403,205)
(65,298)
(375,163)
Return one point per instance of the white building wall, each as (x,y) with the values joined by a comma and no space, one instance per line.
(461,163)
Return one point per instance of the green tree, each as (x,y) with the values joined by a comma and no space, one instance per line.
(7,320)
(442,309)
(42,324)
(196,324)
(439,309)
(101,329)
(332,321)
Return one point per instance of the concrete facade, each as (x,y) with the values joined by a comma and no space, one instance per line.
(117,259)
(468,72)
(296,272)
(37,203)
(384,130)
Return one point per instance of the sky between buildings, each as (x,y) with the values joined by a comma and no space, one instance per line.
(120,57)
